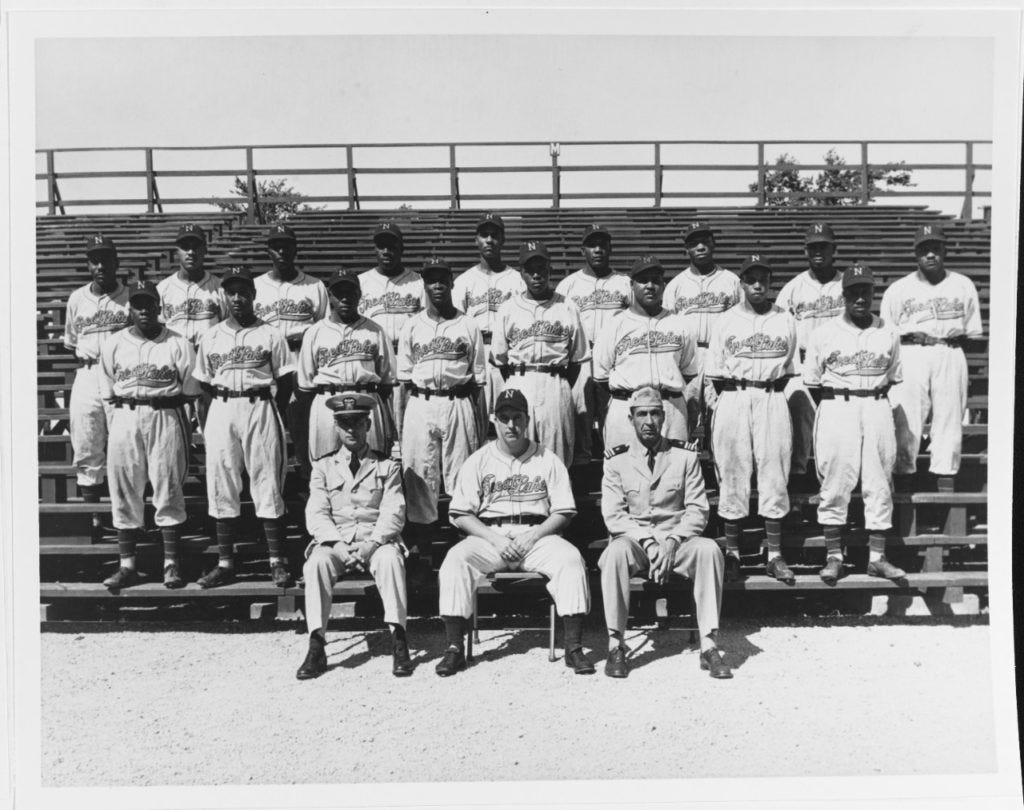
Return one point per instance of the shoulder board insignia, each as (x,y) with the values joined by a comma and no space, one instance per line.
(615,451)
(693,446)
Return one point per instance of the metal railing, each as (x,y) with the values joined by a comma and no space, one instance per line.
(655,194)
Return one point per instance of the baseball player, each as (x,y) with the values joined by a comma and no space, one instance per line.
(645,345)
(391,294)
(851,362)
(812,297)
(539,344)
(146,376)
(441,365)
(748,362)
(655,507)
(481,290)
(935,311)
(598,294)
(95,312)
(512,499)
(238,362)
(191,298)
(292,301)
(355,513)
(702,292)
(346,353)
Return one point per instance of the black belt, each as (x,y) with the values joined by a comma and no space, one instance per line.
(846,393)
(486,335)
(156,403)
(252,394)
(458,392)
(703,344)
(803,354)
(394,345)
(522,368)
(522,520)
(86,363)
(666,393)
(742,385)
(369,388)
(928,340)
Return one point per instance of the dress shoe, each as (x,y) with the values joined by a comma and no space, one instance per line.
(172,577)
(315,664)
(884,569)
(711,660)
(778,569)
(121,578)
(732,568)
(217,577)
(577,660)
(280,576)
(616,666)
(832,571)
(453,661)
(401,666)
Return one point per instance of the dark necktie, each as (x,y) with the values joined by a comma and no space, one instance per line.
(650,460)
(353,464)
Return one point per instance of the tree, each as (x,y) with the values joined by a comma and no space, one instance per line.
(792,188)
(290,200)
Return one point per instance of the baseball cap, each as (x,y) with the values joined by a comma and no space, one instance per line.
(529,250)
(645,262)
(857,273)
(592,229)
(752,261)
(434,263)
(342,277)
(929,233)
(695,228)
(351,403)
(139,289)
(387,228)
(511,398)
(819,232)
(237,273)
(190,231)
(98,243)
(279,232)
(645,397)
(491,219)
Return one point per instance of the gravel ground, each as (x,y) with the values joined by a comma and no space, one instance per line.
(842,697)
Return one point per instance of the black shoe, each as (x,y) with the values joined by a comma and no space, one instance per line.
(315,664)
(711,660)
(172,578)
(453,661)
(279,574)
(122,578)
(616,666)
(832,571)
(884,569)
(778,569)
(732,568)
(401,666)
(217,577)
(577,660)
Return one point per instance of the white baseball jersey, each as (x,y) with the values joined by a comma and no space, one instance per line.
(748,346)
(538,332)
(391,301)
(944,310)
(597,299)
(811,303)
(191,308)
(439,354)
(242,358)
(637,350)
(91,320)
(137,367)
(702,297)
(842,355)
(493,484)
(480,292)
(292,306)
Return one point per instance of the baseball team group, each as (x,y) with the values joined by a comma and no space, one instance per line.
(392,380)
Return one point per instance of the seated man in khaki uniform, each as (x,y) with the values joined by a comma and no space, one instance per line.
(655,507)
(355,514)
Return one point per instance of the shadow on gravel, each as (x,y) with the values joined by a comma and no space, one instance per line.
(656,644)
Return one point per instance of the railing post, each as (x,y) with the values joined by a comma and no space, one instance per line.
(968,210)
(251,214)
(149,180)
(762,195)
(353,202)
(865,189)
(556,180)
(453,176)
(51,184)
(657,175)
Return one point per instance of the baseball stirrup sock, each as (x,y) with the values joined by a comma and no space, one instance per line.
(172,540)
(573,626)
(455,630)
(126,547)
(833,541)
(732,538)
(773,535)
(226,542)
(274,531)
(90,494)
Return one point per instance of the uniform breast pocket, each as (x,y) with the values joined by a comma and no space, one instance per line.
(638,498)
(368,492)
(670,483)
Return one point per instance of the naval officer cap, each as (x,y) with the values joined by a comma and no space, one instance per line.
(351,403)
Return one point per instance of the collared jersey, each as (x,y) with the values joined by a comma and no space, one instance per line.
(842,355)
(944,310)
(635,350)
(597,299)
(811,303)
(702,298)
(538,332)
(439,354)
(137,367)
(335,353)
(292,306)
(749,346)
(480,292)
(493,484)
(391,301)
(240,358)
(191,308)
(91,320)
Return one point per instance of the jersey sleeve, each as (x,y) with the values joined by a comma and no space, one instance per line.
(479,358)
(71,323)
(386,362)
(405,363)
(604,350)
(559,488)
(202,371)
(895,372)
(813,358)
(887,309)
(305,369)
(972,310)
(714,363)
(784,300)
(688,352)
(499,341)
(280,356)
(579,350)
(186,365)
(790,369)
(322,304)
(106,375)
(466,494)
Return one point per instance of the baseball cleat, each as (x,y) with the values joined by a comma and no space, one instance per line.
(711,660)
(616,666)
(315,664)
(172,578)
(401,665)
(577,660)
(832,571)
(884,569)
(217,577)
(778,569)
(122,578)
(280,576)
(453,661)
